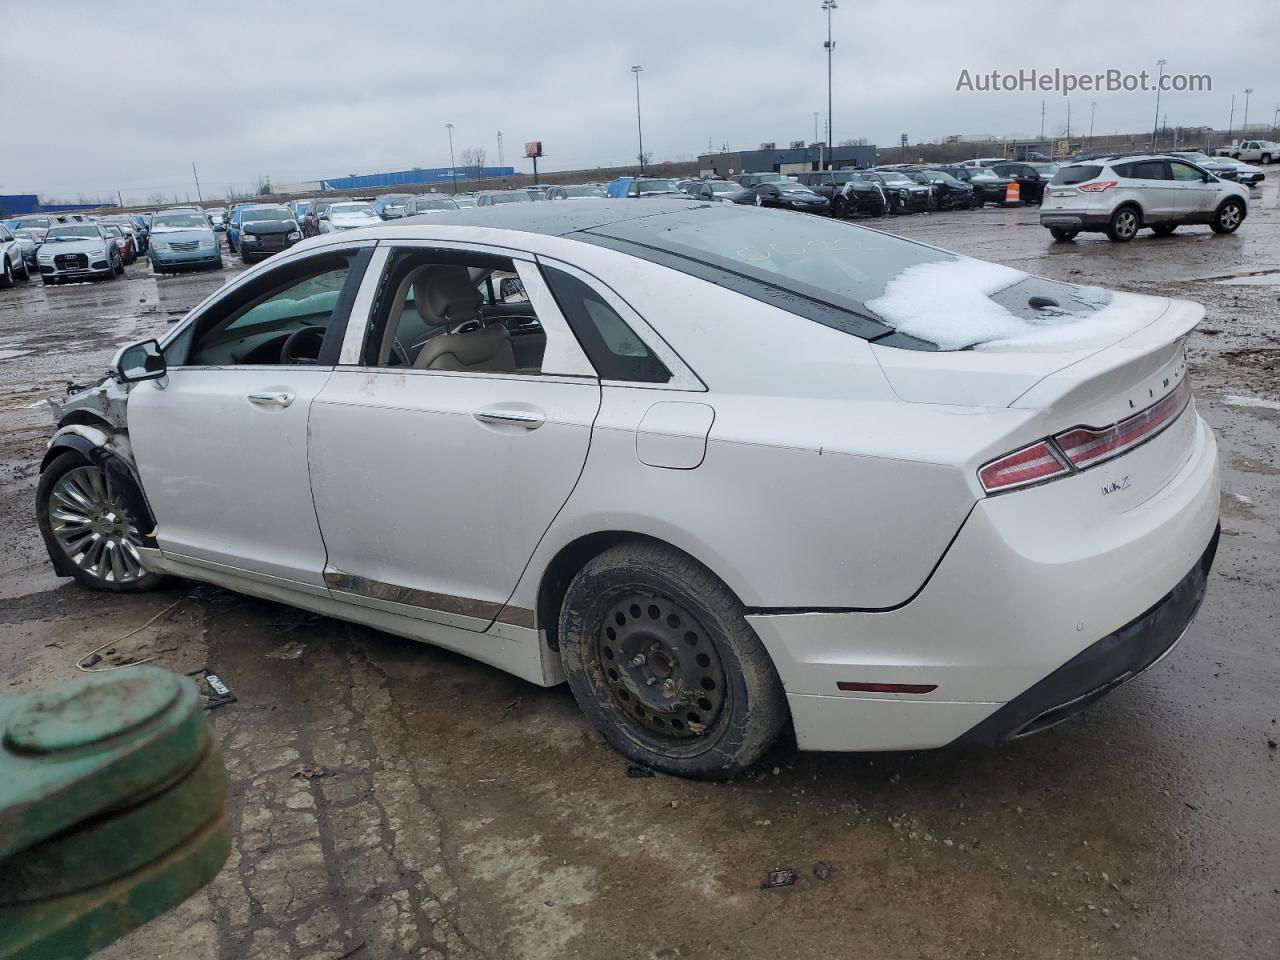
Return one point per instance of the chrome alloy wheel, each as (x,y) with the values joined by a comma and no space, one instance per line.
(93,528)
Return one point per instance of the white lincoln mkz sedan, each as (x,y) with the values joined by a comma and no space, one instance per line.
(716,467)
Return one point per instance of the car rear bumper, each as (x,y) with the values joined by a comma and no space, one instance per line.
(1074,221)
(1046,596)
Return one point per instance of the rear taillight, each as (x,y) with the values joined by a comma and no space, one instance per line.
(1098,186)
(1033,464)
(1081,447)
(1086,446)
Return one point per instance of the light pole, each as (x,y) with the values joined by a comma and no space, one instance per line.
(453,171)
(1092,107)
(637,69)
(1231,123)
(1244,124)
(829,5)
(1275,122)
(1155,126)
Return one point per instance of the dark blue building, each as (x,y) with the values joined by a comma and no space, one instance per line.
(16,204)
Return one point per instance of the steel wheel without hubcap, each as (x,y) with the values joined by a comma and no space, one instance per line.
(660,666)
(93,528)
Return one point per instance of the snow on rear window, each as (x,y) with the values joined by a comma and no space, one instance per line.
(949,303)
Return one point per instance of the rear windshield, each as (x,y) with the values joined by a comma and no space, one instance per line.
(1069,175)
(817,258)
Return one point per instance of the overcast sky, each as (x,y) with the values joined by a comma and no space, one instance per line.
(126,95)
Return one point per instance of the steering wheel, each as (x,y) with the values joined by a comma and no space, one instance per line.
(303,345)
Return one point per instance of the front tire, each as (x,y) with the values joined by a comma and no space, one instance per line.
(1228,218)
(1062,235)
(662,661)
(87,529)
(1125,224)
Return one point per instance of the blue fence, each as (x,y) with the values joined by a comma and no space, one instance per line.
(410,178)
(13,204)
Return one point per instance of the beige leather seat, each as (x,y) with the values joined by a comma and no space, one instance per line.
(445,296)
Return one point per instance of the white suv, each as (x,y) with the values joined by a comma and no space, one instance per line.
(1120,195)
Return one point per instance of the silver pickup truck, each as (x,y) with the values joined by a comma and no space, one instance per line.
(1251,151)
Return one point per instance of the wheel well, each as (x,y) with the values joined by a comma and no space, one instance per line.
(565,565)
(1132,206)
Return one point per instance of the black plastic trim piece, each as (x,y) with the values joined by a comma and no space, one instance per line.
(119,471)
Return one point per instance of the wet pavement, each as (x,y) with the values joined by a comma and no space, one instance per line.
(392,800)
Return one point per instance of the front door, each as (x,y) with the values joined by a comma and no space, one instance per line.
(440,456)
(221,442)
(1196,199)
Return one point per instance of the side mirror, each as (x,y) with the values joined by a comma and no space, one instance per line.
(140,361)
(1207,177)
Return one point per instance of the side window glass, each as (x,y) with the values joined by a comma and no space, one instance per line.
(613,347)
(282,319)
(1183,171)
(439,312)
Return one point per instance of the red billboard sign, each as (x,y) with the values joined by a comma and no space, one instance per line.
(533,148)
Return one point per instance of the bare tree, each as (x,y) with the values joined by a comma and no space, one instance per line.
(155,200)
(473,162)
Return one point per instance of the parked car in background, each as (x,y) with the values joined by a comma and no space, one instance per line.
(983,161)
(789,195)
(349,215)
(142,229)
(217,218)
(903,193)
(1223,167)
(644,187)
(183,238)
(748,180)
(492,198)
(1256,151)
(79,251)
(1032,178)
(233,225)
(575,192)
(29,244)
(464,199)
(124,242)
(13,258)
(314,214)
(988,186)
(537,191)
(266,229)
(721,191)
(128,225)
(299,209)
(1121,195)
(1241,172)
(38,226)
(950,192)
(390,206)
(846,191)
(577,486)
(429,203)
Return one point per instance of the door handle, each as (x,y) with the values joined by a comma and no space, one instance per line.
(271,399)
(512,418)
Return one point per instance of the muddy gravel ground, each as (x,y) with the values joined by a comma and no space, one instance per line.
(458,812)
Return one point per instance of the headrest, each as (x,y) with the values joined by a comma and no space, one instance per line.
(444,294)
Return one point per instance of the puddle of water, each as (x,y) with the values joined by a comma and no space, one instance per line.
(1238,401)
(1260,280)
(10,354)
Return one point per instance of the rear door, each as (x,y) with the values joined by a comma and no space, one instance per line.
(1149,184)
(452,434)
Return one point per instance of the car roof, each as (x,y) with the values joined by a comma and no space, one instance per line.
(559,220)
